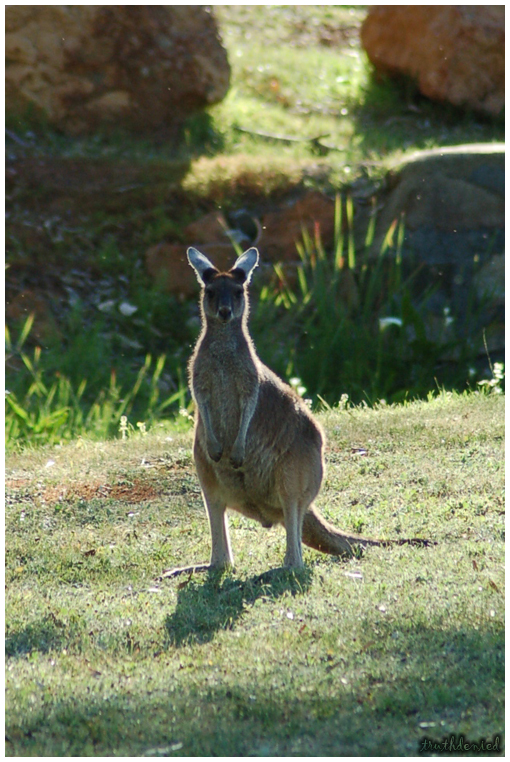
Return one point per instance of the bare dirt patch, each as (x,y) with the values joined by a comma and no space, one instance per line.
(135,492)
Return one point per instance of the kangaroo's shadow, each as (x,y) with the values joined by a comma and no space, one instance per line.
(217,602)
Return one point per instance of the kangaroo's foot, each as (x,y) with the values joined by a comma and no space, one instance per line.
(169,573)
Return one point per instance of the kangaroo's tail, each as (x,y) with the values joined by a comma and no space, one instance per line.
(321,535)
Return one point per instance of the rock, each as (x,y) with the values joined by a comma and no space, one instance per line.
(452,204)
(215,228)
(456,53)
(282,228)
(167,263)
(29,302)
(452,200)
(210,228)
(489,283)
(490,280)
(145,68)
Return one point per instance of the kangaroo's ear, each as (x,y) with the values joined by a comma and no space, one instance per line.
(201,265)
(246,264)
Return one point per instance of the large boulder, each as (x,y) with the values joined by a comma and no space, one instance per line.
(144,67)
(452,201)
(452,204)
(456,53)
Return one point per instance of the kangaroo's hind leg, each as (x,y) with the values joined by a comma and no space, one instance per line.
(221,552)
(299,482)
(293,515)
(216,507)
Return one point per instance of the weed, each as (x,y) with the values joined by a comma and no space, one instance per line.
(494,385)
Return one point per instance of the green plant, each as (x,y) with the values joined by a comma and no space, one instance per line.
(50,408)
(359,324)
(494,385)
(96,254)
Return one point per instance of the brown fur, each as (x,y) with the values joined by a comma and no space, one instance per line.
(258,450)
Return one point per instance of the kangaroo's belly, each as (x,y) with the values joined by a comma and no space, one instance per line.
(265,514)
(225,419)
(250,492)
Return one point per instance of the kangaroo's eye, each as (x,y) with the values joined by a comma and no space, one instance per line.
(238,293)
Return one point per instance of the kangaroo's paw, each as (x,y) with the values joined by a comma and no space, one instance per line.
(236,462)
(215,451)
(237,456)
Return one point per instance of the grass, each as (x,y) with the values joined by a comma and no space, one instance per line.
(46,410)
(345,658)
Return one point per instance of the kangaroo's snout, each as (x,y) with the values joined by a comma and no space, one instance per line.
(225,313)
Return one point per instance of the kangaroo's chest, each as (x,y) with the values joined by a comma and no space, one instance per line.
(223,381)
(220,372)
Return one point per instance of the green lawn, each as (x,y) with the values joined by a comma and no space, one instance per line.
(345,658)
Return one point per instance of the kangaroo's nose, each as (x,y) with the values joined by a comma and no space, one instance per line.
(225,313)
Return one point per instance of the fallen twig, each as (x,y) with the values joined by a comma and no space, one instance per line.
(315,142)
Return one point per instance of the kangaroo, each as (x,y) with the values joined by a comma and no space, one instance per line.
(258,449)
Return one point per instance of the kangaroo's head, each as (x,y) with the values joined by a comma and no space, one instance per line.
(225,295)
